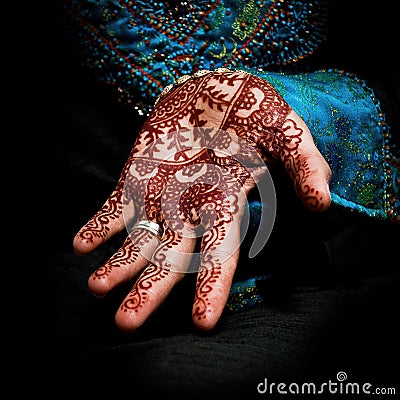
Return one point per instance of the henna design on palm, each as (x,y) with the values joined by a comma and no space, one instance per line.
(194,161)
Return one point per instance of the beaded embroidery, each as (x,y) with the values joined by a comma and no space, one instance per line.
(349,129)
(141,46)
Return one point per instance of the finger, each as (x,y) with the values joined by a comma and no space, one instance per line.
(219,258)
(107,222)
(147,294)
(305,164)
(155,283)
(135,254)
(212,292)
(111,219)
(126,263)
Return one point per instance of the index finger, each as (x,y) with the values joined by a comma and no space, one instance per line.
(108,221)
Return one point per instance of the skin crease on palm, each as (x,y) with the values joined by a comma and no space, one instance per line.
(173,179)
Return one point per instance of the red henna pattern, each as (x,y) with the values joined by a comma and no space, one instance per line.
(125,256)
(205,280)
(234,103)
(139,293)
(98,227)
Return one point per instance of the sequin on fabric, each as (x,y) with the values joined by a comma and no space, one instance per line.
(246,293)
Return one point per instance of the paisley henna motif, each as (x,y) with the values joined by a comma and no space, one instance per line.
(196,155)
(205,280)
(139,293)
(125,256)
(98,226)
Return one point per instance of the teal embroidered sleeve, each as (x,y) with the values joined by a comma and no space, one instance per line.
(349,129)
(140,46)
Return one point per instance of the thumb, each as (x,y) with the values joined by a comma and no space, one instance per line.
(305,164)
(311,181)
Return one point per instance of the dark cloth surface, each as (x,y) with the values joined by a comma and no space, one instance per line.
(331,303)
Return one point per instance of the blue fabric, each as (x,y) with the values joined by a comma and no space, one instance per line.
(349,129)
(141,46)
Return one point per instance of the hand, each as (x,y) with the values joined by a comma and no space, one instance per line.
(196,158)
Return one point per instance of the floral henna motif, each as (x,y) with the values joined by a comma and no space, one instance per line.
(183,166)
(207,277)
(189,198)
(124,257)
(262,112)
(98,226)
(139,293)
(195,156)
(298,169)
